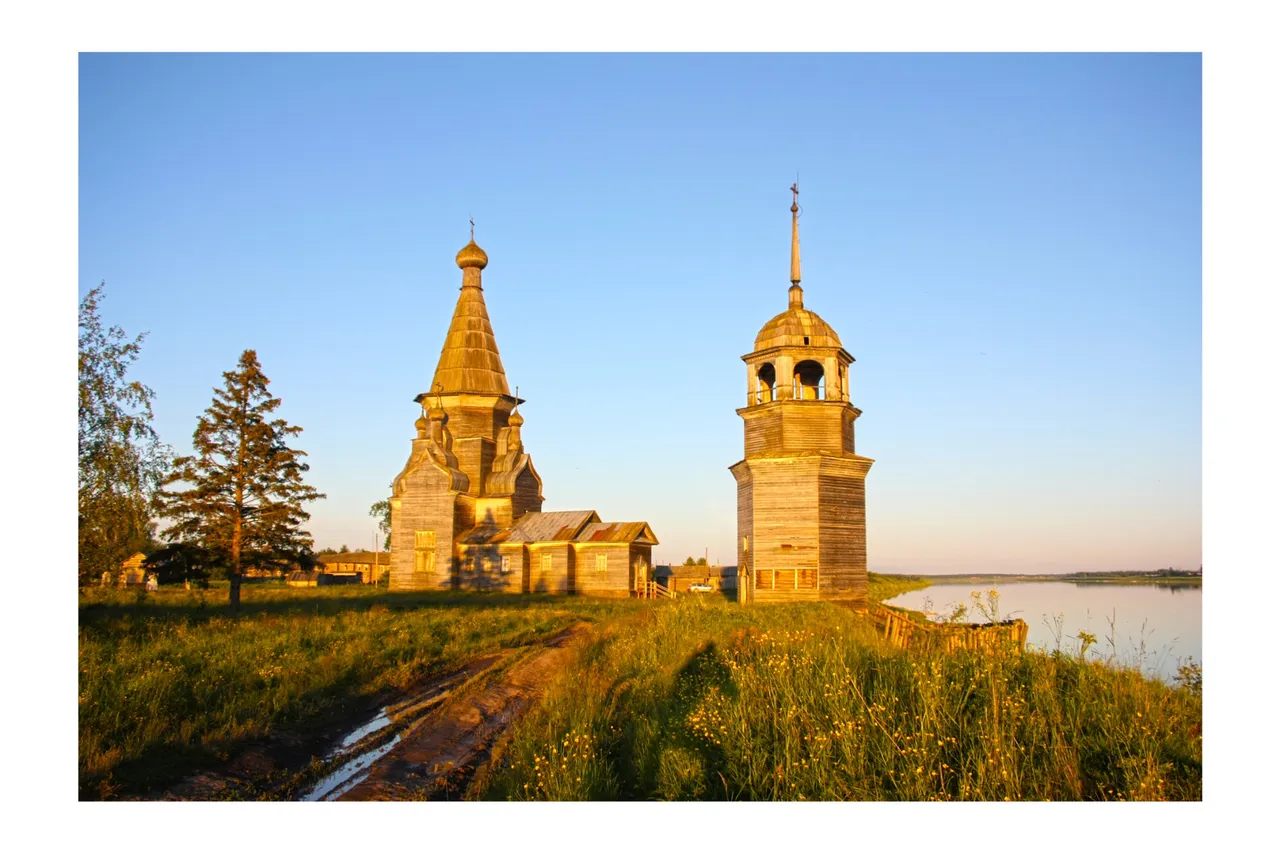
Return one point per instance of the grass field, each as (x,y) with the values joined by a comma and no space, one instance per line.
(696,698)
(170,683)
(700,701)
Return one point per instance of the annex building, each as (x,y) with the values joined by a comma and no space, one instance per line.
(466,510)
(802,520)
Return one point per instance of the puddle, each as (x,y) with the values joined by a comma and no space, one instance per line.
(376,724)
(350,774)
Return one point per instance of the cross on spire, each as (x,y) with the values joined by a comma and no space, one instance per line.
(795,240)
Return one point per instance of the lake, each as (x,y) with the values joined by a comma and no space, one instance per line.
(1156,626)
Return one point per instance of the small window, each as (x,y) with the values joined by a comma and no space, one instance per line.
(506,564)
(602,562)
(546,562)
(806,340)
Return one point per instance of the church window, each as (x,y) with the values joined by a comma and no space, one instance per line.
(506,564)
(602,562)
(546,562)
(424,551)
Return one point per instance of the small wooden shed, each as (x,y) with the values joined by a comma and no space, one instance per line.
(132,573)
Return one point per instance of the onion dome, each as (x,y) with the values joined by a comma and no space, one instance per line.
(472,255)
(438,415)
(516,419)
(421,425)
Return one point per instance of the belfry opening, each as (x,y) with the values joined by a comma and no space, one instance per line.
(801,486)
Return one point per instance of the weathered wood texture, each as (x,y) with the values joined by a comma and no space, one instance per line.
(426,504)
(603,569)
(801,487)
(903,631)
(466,509)
(527,496)
(551,567)
(842,522)
(746,529)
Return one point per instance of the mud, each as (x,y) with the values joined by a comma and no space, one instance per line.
(427,744)
(439,757)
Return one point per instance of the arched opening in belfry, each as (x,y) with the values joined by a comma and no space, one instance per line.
(766,379)
(808,382)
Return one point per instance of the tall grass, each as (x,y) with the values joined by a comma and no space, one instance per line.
(170,683)
(705,701)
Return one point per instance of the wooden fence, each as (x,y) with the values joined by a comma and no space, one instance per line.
(904,632)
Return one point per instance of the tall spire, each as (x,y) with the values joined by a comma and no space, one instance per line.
(469,360)
(795,295)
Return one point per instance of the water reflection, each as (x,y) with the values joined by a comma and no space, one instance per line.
(1150,626)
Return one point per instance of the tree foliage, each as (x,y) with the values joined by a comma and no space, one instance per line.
(121,458)
(244,494)
(382,511)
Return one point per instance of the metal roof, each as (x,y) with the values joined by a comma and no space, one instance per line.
(383,557)
(485,535)
(551,526)
(618,531)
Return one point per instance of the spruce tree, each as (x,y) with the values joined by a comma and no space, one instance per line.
(121,459)
(244,490)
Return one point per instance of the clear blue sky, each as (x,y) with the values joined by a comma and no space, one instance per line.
(1009,245)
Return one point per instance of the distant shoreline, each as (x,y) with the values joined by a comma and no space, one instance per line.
(1078,577)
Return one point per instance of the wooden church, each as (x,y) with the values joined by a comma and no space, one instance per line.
(802,521)
(466,510)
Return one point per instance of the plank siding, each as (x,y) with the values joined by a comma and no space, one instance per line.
(763,433)
(812,426)
(480,568)
(615,580)
(784,518)
(527,496)
(559,577)
(426,503)
(746,531)
(475,458)
(843,530)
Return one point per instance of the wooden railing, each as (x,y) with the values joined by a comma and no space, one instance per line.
(653,589)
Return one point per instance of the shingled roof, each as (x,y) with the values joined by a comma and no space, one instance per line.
(551,526)
(469,360)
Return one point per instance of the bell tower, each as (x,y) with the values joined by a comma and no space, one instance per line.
(801,487)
